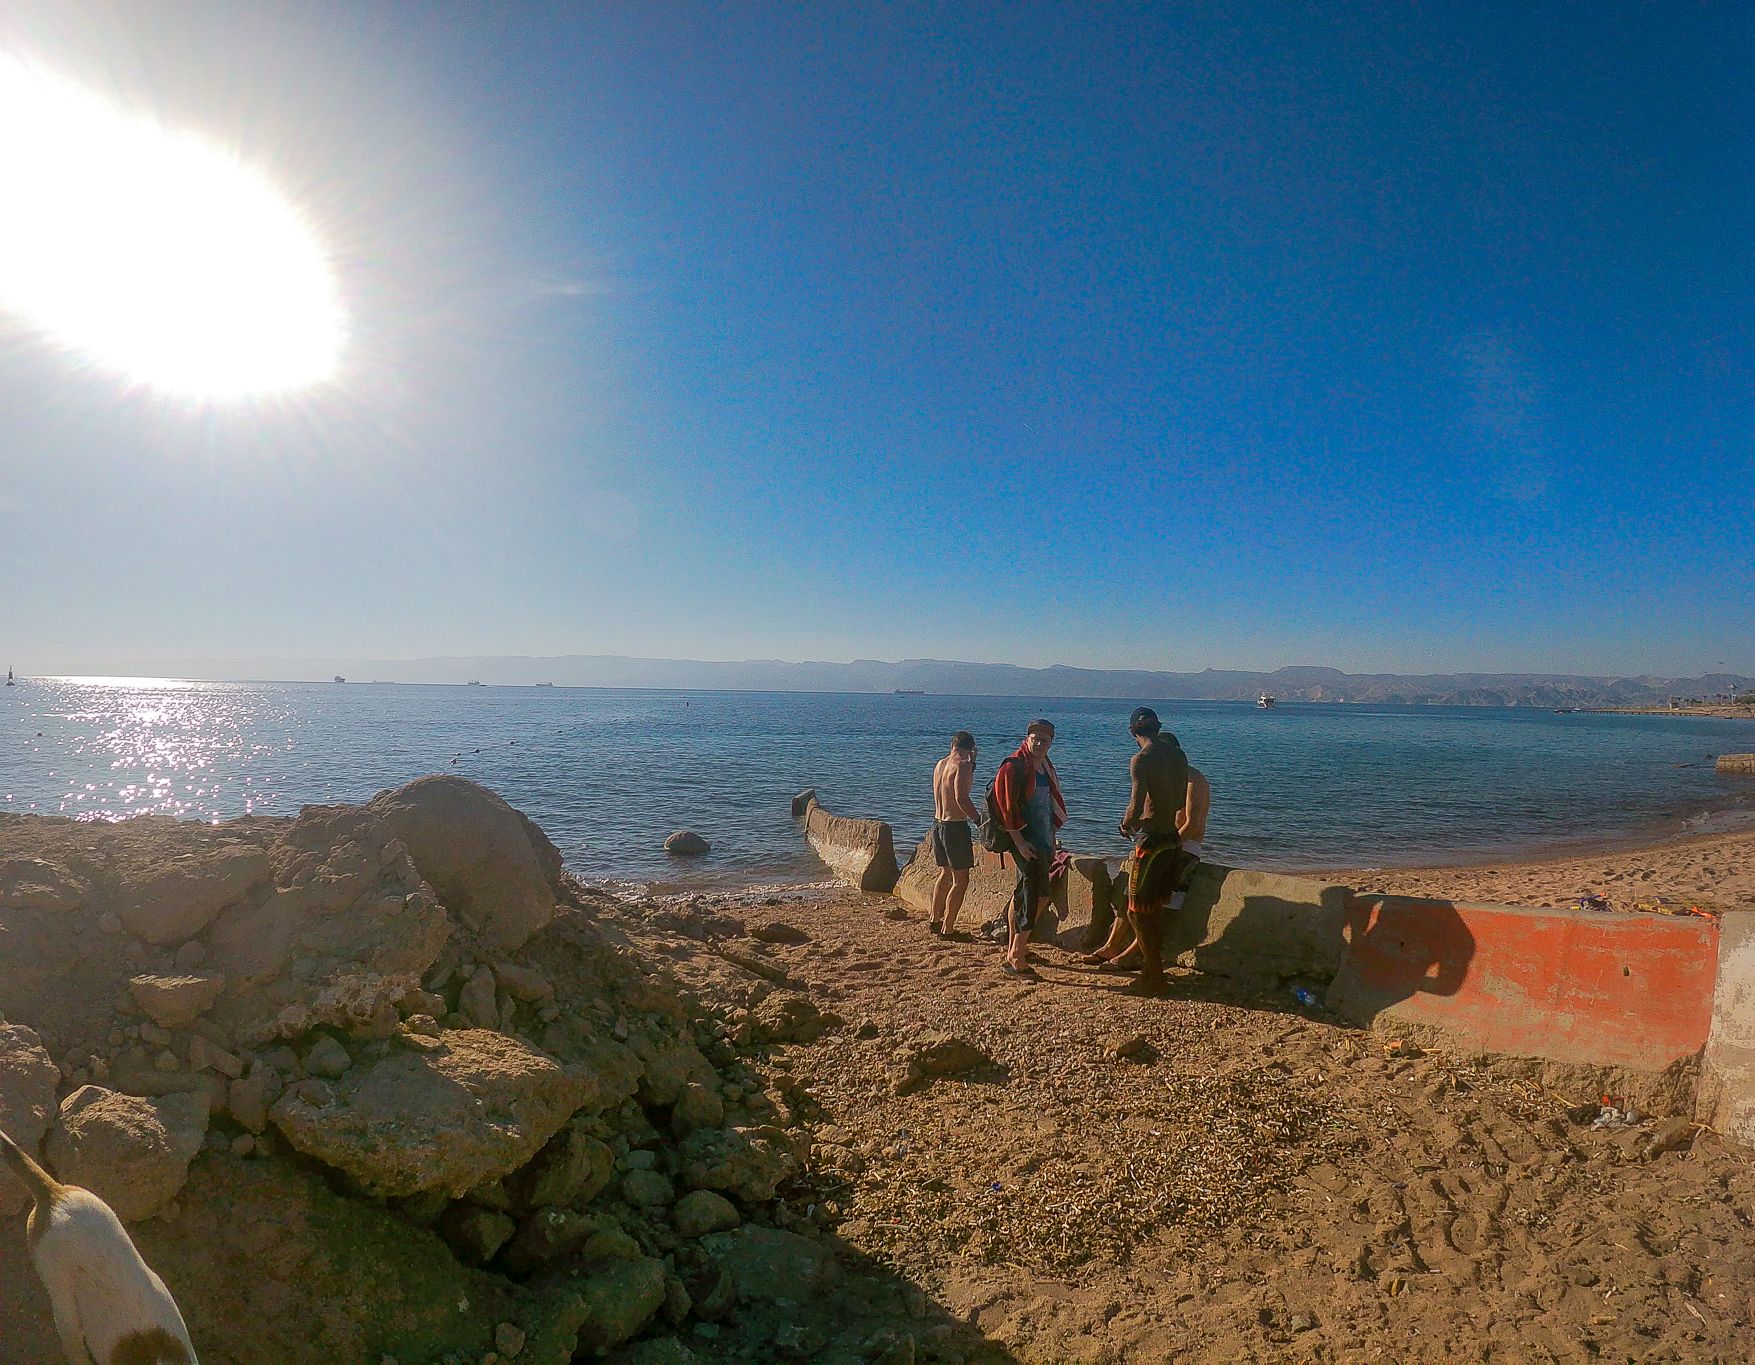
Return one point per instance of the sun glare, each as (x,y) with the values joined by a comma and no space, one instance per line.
(154,253)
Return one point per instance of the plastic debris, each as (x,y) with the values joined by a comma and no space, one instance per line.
(1616,1116)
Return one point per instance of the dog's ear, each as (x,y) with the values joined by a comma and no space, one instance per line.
(44,1188)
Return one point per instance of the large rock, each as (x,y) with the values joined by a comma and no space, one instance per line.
(473,1110)
(478,854)
(27,1100)
(685,843)
(616,1302)
(702,1211)
(547,1235)
(38,884)
(766,1263)
(746,1162)
(787,1018)
(572,1170)
(989,888)
(1259,927)
(175,1002)
(1077,915)
(345,929)
(179,898)
(133,1153)
(861,853)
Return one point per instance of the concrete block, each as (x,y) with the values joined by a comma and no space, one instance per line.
(1727,1075)
(1079,901)
(990,884)
(1625,1001)
(861,853)
(1260,927)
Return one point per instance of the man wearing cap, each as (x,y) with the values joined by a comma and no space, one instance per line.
(1117,952)
(1027,792)
(1158,867)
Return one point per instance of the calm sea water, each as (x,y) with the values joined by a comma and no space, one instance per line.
(610,773)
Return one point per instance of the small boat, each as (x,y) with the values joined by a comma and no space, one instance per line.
(545,684)
(9,681)
(1266,699)
(474,682)
(339,678)
(910,692)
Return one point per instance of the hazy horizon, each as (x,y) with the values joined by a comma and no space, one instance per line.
(862,674)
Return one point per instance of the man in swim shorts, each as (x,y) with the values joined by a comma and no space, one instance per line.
(1117,952)
(1027,792)
(952,847)
(1159,867)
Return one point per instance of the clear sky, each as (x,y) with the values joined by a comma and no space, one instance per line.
(1397,338)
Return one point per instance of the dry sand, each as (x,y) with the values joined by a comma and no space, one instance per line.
(1254,1181)
(1714,871)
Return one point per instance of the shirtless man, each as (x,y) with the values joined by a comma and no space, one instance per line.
(1191,824)
(952,848)
(1158,866)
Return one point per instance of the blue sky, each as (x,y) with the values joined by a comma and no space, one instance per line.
(1394,338)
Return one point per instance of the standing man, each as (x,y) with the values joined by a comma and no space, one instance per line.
(1158,866)
(1191,826)
(952,848)
(1028,795)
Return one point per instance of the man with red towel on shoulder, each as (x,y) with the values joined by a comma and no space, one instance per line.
(1027,793)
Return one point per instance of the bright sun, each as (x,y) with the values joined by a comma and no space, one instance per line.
(153,252)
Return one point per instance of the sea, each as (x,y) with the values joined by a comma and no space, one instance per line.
(610,773)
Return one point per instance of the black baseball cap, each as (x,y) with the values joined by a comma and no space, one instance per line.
(1143,721)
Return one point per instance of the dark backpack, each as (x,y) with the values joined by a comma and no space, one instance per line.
(994,836)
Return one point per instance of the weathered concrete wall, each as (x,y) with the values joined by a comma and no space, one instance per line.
(1625,1001)
(1081,898)
(1260,927)
(861,853)
(1727,1074)
(1736,763)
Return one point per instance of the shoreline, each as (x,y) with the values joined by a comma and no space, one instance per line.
(1717,711)
(1709,861)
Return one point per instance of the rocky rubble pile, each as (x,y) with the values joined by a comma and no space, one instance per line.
(374,1083)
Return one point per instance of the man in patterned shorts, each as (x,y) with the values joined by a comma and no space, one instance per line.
(1158,867)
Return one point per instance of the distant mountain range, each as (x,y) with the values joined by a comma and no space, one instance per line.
(950,677)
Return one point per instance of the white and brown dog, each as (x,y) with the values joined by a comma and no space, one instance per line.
(110,1308)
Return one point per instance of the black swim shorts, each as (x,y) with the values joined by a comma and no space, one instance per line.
(951,844)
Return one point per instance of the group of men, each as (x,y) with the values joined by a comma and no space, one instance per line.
(1166,818)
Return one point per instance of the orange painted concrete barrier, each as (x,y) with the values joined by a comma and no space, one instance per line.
(1572,986)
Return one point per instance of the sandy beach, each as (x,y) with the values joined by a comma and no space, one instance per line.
(1221,1175)
(1713,871)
